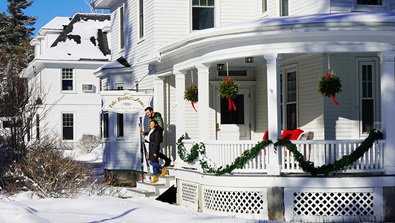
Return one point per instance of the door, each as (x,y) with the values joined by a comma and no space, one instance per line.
(234,125)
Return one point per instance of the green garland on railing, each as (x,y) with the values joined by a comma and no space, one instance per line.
(340,164)
(195,150)
(307,166)
(239,162)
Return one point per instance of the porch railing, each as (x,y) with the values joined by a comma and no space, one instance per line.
(321,152)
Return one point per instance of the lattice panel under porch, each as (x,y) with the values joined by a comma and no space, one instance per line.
(334,203)
(234,202)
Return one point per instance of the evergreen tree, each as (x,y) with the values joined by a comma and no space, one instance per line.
(15,55)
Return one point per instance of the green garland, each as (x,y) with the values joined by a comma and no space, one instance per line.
(307,166)
(195,151)
(191,93)
(329,84)
(228,88)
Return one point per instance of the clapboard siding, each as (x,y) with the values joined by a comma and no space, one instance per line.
(310,106)
(238,11)
(261,102)
(308,7)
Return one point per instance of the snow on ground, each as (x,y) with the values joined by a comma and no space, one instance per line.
(23,208)
(95,209)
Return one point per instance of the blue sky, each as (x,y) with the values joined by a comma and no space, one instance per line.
(46,10)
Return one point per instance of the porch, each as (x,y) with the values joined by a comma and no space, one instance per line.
(356,193)
(219,154)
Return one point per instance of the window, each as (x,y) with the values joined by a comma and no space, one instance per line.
(289,104)
(264,6)
(370,2)
(141,19)
(121,28)
(202,14)
(105,125)
(119,125)
(67,79)
(68,126)
(284,8)
(119,86)
(367,89)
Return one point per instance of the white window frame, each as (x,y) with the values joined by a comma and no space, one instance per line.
(264,7)
(74,118)
(121,26)
(384,7)
(141,20)
(215,13)
(72,79)
(282,7)
(283,90)
(374,61)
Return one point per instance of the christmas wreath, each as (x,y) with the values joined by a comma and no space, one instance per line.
(228,89)
(329,85)
(191,94)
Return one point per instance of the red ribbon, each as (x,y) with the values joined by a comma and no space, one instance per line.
(231,104)
(328,75)
(193,106)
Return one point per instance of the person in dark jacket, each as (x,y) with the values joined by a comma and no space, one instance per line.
(154,138)
(149,111)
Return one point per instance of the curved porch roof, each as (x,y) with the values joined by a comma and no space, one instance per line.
(336,32)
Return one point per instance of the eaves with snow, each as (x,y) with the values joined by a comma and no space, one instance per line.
(81,39)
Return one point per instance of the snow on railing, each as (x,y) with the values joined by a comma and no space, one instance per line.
(321,152)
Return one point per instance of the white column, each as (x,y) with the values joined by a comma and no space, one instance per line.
(158,95)
(274,111)
(180,104)
(203,95)
(388,109)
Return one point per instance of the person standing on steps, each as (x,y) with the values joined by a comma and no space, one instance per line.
(154,138)
(149,111)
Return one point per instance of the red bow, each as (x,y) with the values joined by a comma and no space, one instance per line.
(231,104)
(328,75)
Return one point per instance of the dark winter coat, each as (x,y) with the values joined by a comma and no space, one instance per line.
(155,139)
(158,118)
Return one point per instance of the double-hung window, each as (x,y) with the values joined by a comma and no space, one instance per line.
(284,8)
(67,79)
(141,19)
(370,2)
(368,94)
(120,125)
(68,126)
(105,120)
(121,27)
(202,14)
(289,103)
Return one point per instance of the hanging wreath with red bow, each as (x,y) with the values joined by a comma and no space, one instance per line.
(229,89)
(329,85)
(191,94)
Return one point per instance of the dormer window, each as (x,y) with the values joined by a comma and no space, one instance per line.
(202,14)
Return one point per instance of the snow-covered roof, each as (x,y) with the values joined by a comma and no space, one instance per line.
(56,23)
(81,39)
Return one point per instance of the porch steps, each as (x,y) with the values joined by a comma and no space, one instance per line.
(147,189)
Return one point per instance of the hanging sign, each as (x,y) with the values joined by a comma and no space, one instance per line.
(126,103)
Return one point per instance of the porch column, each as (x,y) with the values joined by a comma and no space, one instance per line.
(388,109)
(158,95)
(203,96)
(180,104)
(273,104)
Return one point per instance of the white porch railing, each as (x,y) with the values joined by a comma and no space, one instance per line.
(321,152)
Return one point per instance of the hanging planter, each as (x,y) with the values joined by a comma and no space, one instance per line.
(191,94)
(229,89)
(329,85)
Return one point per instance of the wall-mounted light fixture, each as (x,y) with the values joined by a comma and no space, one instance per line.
(221,66)
(249,59)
